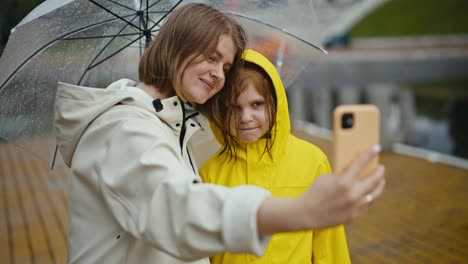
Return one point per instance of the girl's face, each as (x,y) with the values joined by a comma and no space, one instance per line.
(251,120)
(205,77)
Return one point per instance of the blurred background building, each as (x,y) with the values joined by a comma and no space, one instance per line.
(408,57)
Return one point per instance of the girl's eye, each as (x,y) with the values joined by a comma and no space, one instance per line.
(258,104)
(211,58)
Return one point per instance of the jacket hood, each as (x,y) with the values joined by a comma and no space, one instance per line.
(282,128)
(77,106)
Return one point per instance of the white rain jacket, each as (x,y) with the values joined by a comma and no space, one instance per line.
(133,196)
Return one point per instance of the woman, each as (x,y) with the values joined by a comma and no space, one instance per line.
(133,192)
(259,149)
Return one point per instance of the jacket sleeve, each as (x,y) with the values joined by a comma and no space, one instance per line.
(329,245)
(150,193)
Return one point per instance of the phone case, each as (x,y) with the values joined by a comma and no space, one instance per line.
(352,141)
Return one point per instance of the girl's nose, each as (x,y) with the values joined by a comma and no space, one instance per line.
(246,116)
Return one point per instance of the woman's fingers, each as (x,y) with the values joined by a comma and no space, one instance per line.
(362,192)
(359,164)
(369,198)
(379,190)
(371,188)
(340,199)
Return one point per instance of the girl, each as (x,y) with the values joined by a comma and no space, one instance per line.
(259,149)
(133,192)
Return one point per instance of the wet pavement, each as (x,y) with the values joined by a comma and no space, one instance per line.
(422,217)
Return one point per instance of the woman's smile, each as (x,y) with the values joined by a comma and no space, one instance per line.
(208,83)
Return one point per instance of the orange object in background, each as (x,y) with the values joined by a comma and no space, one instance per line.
(276,50)
(271,47)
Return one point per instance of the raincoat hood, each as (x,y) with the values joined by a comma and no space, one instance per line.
(76,107)
(282,128)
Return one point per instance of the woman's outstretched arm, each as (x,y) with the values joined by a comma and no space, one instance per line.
(329,201)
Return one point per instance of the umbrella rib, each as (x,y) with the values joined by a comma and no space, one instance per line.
(145,23)
(91,66)
(148,7)
(164,16)
(155,3)
(124,6)
(48,44)
(151,20)
(132,9)
(155,12)
(114,14)
(147,10)
(102,50)
(111,55)
(105,36)
(89,26)
(157,30)
(275,27)
(103,60)
(108,36)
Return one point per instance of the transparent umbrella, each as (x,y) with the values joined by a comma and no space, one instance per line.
(94,42)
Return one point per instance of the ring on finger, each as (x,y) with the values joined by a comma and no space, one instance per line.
(369,198)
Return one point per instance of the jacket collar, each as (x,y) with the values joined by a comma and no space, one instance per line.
(77,106)
(170,110)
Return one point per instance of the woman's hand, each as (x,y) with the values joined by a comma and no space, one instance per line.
(329,201)
(339,199)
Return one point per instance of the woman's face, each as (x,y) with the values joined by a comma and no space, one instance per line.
(204,77)
(251,120)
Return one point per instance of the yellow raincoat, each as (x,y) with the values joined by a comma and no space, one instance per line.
(294,165)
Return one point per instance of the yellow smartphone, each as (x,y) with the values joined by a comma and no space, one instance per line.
(356,128)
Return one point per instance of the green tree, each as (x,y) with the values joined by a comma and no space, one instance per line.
(414,18)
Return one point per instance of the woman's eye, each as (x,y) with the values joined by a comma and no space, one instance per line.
(211,58)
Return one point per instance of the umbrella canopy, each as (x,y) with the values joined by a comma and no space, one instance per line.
(95,42)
